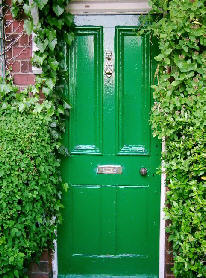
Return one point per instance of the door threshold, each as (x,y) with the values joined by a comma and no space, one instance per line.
(105,276)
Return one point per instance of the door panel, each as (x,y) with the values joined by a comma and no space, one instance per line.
(110,221)
(86,91)
(133,91)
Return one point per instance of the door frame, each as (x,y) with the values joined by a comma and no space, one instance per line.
(142,7)
(84,7)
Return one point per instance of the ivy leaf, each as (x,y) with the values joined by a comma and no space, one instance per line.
(57,22)
(41,3)
(46,91)
(53,64)
(52,44)
(1,173)
(69,19)
(50,83)
(42,45)
(38,58)
(65,187)
(27,9)
(28,26)
(14,11)
(69,37)
(58,10)
(16,273)
(22,106)
(38,108)
(51,34)
(67,106)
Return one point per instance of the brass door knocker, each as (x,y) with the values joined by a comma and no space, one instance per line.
(108,65)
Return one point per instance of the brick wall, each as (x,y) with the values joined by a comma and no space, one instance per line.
(168,257)
(19,50)
(43,269)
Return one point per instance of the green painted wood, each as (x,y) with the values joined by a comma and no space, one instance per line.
(86,91)
(133,91)
(110,221)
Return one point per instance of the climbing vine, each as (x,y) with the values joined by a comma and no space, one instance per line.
(30,184)
(178,116)
(32,124)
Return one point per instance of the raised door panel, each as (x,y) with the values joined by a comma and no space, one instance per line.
(85,127)
(133,92)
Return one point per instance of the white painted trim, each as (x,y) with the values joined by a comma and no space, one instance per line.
(109,7)
(34,12)
(35,70)
(35,16)
(162,220)
(54,261)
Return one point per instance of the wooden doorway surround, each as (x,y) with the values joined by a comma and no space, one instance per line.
(83,7)
(96,7)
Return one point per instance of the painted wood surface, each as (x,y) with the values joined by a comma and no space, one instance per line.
(110,221)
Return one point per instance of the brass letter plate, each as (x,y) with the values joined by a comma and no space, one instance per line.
(109,169)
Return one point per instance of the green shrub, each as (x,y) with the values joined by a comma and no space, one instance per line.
(30,140)
(178,116)
(29,182)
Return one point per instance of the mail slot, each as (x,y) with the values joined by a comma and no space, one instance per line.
(109,169)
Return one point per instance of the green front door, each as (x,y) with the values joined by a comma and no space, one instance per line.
(111,210)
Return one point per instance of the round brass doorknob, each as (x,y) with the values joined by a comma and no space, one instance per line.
(143,171)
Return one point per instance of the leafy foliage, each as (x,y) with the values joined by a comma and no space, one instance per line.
(52,27)
(178,115)
(29,180)
(30,140)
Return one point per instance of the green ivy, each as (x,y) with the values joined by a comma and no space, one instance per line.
(30,140)
(30,184)
(52,26)
(178,116)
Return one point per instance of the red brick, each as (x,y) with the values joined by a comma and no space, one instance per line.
(40,267)
(9,54)
(44,256)
(30,40)
(30,66)
(16,66)
(8,2)
(38,275)
(24,79)
(10,38)
(168,244)
(25,53)
(167,222)
(24,66)
(18,26)
(168,269)
(169,257)
(8,16)
(8,27)
(24,40)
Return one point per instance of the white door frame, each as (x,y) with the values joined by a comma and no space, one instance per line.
(78,7)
